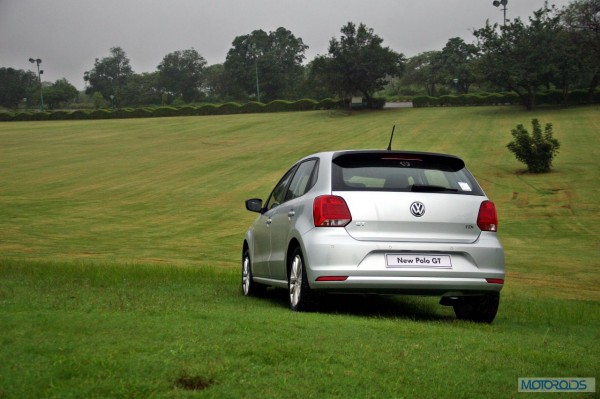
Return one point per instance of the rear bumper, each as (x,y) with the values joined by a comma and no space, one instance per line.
(334,253)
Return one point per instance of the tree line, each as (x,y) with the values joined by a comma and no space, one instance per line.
(554,48)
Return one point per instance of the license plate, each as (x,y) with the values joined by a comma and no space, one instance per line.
(418,260)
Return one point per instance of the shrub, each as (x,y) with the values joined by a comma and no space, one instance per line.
(424,101)
(165,111)
(329,103)
(207,109)
(80,114)
(252,107)
(101,114)
(305,104)
(59,115)
(140,113)
(187,111)
(40,116)
(228,109)
(377,103)
(550,97)
(511,98)
(6,116)
(278,106)
(537,150)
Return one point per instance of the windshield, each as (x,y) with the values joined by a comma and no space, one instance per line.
(404,172)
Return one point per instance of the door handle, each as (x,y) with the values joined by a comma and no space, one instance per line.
(269,220)
(291,214)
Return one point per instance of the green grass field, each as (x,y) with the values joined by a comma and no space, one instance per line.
(120,243)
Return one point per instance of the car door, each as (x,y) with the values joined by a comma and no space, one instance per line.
(285,215)
(262,227)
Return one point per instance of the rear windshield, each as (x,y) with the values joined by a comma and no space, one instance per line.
(404,172)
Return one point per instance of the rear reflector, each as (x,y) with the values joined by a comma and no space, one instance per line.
(331,211)
(495,280)
(332,278)
(487,220)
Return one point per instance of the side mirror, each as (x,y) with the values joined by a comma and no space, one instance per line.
(254,205)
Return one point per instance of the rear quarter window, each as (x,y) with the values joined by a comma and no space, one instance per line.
(402,172)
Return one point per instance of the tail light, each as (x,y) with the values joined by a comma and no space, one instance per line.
(331,211)
(487,220)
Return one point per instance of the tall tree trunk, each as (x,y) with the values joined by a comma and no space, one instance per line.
(593,85)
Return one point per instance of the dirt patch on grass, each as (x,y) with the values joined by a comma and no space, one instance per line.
(193,382)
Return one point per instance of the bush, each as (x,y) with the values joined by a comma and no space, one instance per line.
(207,109)
(101,114)
(228,109)
(252,107)
(550,97)
(511,98)
(305,104)
(59,116)
(278,106)
(80,114)
(377,103)
(140,113)
(425,101)
(165,111)
(329,103)
(6,116)
(537,150)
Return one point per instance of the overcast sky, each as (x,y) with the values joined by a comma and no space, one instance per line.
(68,35)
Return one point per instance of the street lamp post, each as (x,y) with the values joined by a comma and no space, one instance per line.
(503,3)
(38,61)
(255,54)
(256,73)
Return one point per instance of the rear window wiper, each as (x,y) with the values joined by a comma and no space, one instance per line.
(424,188)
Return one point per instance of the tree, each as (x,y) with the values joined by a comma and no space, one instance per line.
(358,63)
(320,81)
(269,65)
(98,99)
(215,84)
(142,89)
(425,70)
(537,150)
(109,75)
(285,58)
(180,73)
(581,18)
(457,64)
(59,92)
(520,57)
(16,85)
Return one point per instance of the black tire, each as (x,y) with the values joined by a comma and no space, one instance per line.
(480,309)
(299,293)
(249,287)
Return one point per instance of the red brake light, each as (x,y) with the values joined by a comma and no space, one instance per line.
(332,278)
(487,220)
(331,211)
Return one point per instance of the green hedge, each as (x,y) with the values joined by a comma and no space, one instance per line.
(576,97)
(549,97)
(165,111)
(330,103)
(252,107)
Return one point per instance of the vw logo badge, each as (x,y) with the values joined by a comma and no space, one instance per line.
(417,209)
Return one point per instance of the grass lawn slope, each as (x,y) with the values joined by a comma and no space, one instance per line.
(120,247)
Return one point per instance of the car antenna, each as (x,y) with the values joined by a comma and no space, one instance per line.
(391,137)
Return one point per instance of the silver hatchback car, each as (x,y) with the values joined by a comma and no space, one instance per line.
(371,221)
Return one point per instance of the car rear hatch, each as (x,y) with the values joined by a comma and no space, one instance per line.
(407,196)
